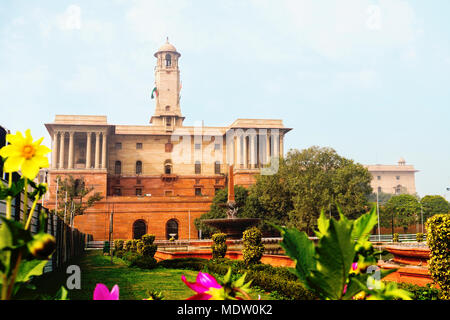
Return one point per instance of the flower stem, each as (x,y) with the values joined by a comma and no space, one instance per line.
(25,200)
(13,276)
(30,214)
(4,287)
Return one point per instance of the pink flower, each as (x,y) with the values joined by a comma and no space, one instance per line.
(101,292)
(355,265)
(202,284)
(345,289)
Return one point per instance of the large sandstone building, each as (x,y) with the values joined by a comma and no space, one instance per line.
(158,177)
(393,179)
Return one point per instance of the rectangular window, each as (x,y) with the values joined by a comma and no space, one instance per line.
(198,168)
(198,146)
(168,193)
(397,177)
(139,192)
(139,145)
(118,145)
(117,192)
(217,146)
(379,189)
(217,167)
(198,191)
(379,177)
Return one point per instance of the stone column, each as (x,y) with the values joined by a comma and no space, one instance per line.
(54,150)
(267,146)
(62,136)
(238,151)
(104,150)
(252,141)
(281,145)
(70,164)
(88,149)
(245,150)
(275,142)
(97,150)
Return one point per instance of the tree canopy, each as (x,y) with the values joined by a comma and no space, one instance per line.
(403,210)
(434,204)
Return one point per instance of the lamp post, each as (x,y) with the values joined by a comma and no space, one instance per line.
(378,214)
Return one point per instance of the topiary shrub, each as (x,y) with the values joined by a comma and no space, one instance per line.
(118,244)
(127,245)
(419,237)
(134,243)
(253,248)
(139,247)
(395,238)
(438,238)
(219,246)
(148,238)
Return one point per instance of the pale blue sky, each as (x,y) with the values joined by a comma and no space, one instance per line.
(367,78)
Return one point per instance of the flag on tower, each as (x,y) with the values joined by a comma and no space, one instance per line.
(154,92)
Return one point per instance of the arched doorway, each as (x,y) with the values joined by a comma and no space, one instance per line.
(172,229)
(139,229)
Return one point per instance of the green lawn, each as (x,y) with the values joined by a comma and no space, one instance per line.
(134,283)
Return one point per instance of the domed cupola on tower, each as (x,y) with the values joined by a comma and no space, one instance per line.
(167,88)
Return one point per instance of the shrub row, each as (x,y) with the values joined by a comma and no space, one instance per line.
(139,253)
(219,246)
(266,277)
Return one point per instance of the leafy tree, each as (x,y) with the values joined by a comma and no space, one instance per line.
(76,191)
(401,210)
(434,205)
(218,209)
(308,181)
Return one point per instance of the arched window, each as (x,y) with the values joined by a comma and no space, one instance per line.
(139,229)
(172,229)
(118,167)
(167,108)
(168,167)
(168,60)
(138,167)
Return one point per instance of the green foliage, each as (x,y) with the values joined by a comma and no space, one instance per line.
(219,246)
(403,210)
(419,237)
(195,264)
(139,247)
(148,238)
(143,262)
(149,250)
(328,269)
(118,244)
(218,209)
(438,238)
(253,248)
(106,247)
(127,245)
(421,293)
(308,181)
(77,191)
(433,205)
(395,237)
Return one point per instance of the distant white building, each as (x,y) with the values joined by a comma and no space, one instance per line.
(394,179)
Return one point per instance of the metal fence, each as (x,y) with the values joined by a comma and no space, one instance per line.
(70,242)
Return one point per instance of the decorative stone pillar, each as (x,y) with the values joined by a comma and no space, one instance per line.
(238,151)
(62,137)
(267,147)
(88,150)
(275,144)
(245,150)
(281,145)
(97,150)
(104,150)
(70,164)
(252,142)
(55,150)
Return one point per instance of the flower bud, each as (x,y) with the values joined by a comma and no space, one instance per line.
(42,245)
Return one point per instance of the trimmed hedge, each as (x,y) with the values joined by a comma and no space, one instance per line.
(219,246)
(395,237)
(253,248)
(438,238)
(277,280)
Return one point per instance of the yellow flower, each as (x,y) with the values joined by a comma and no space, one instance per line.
(24,154)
